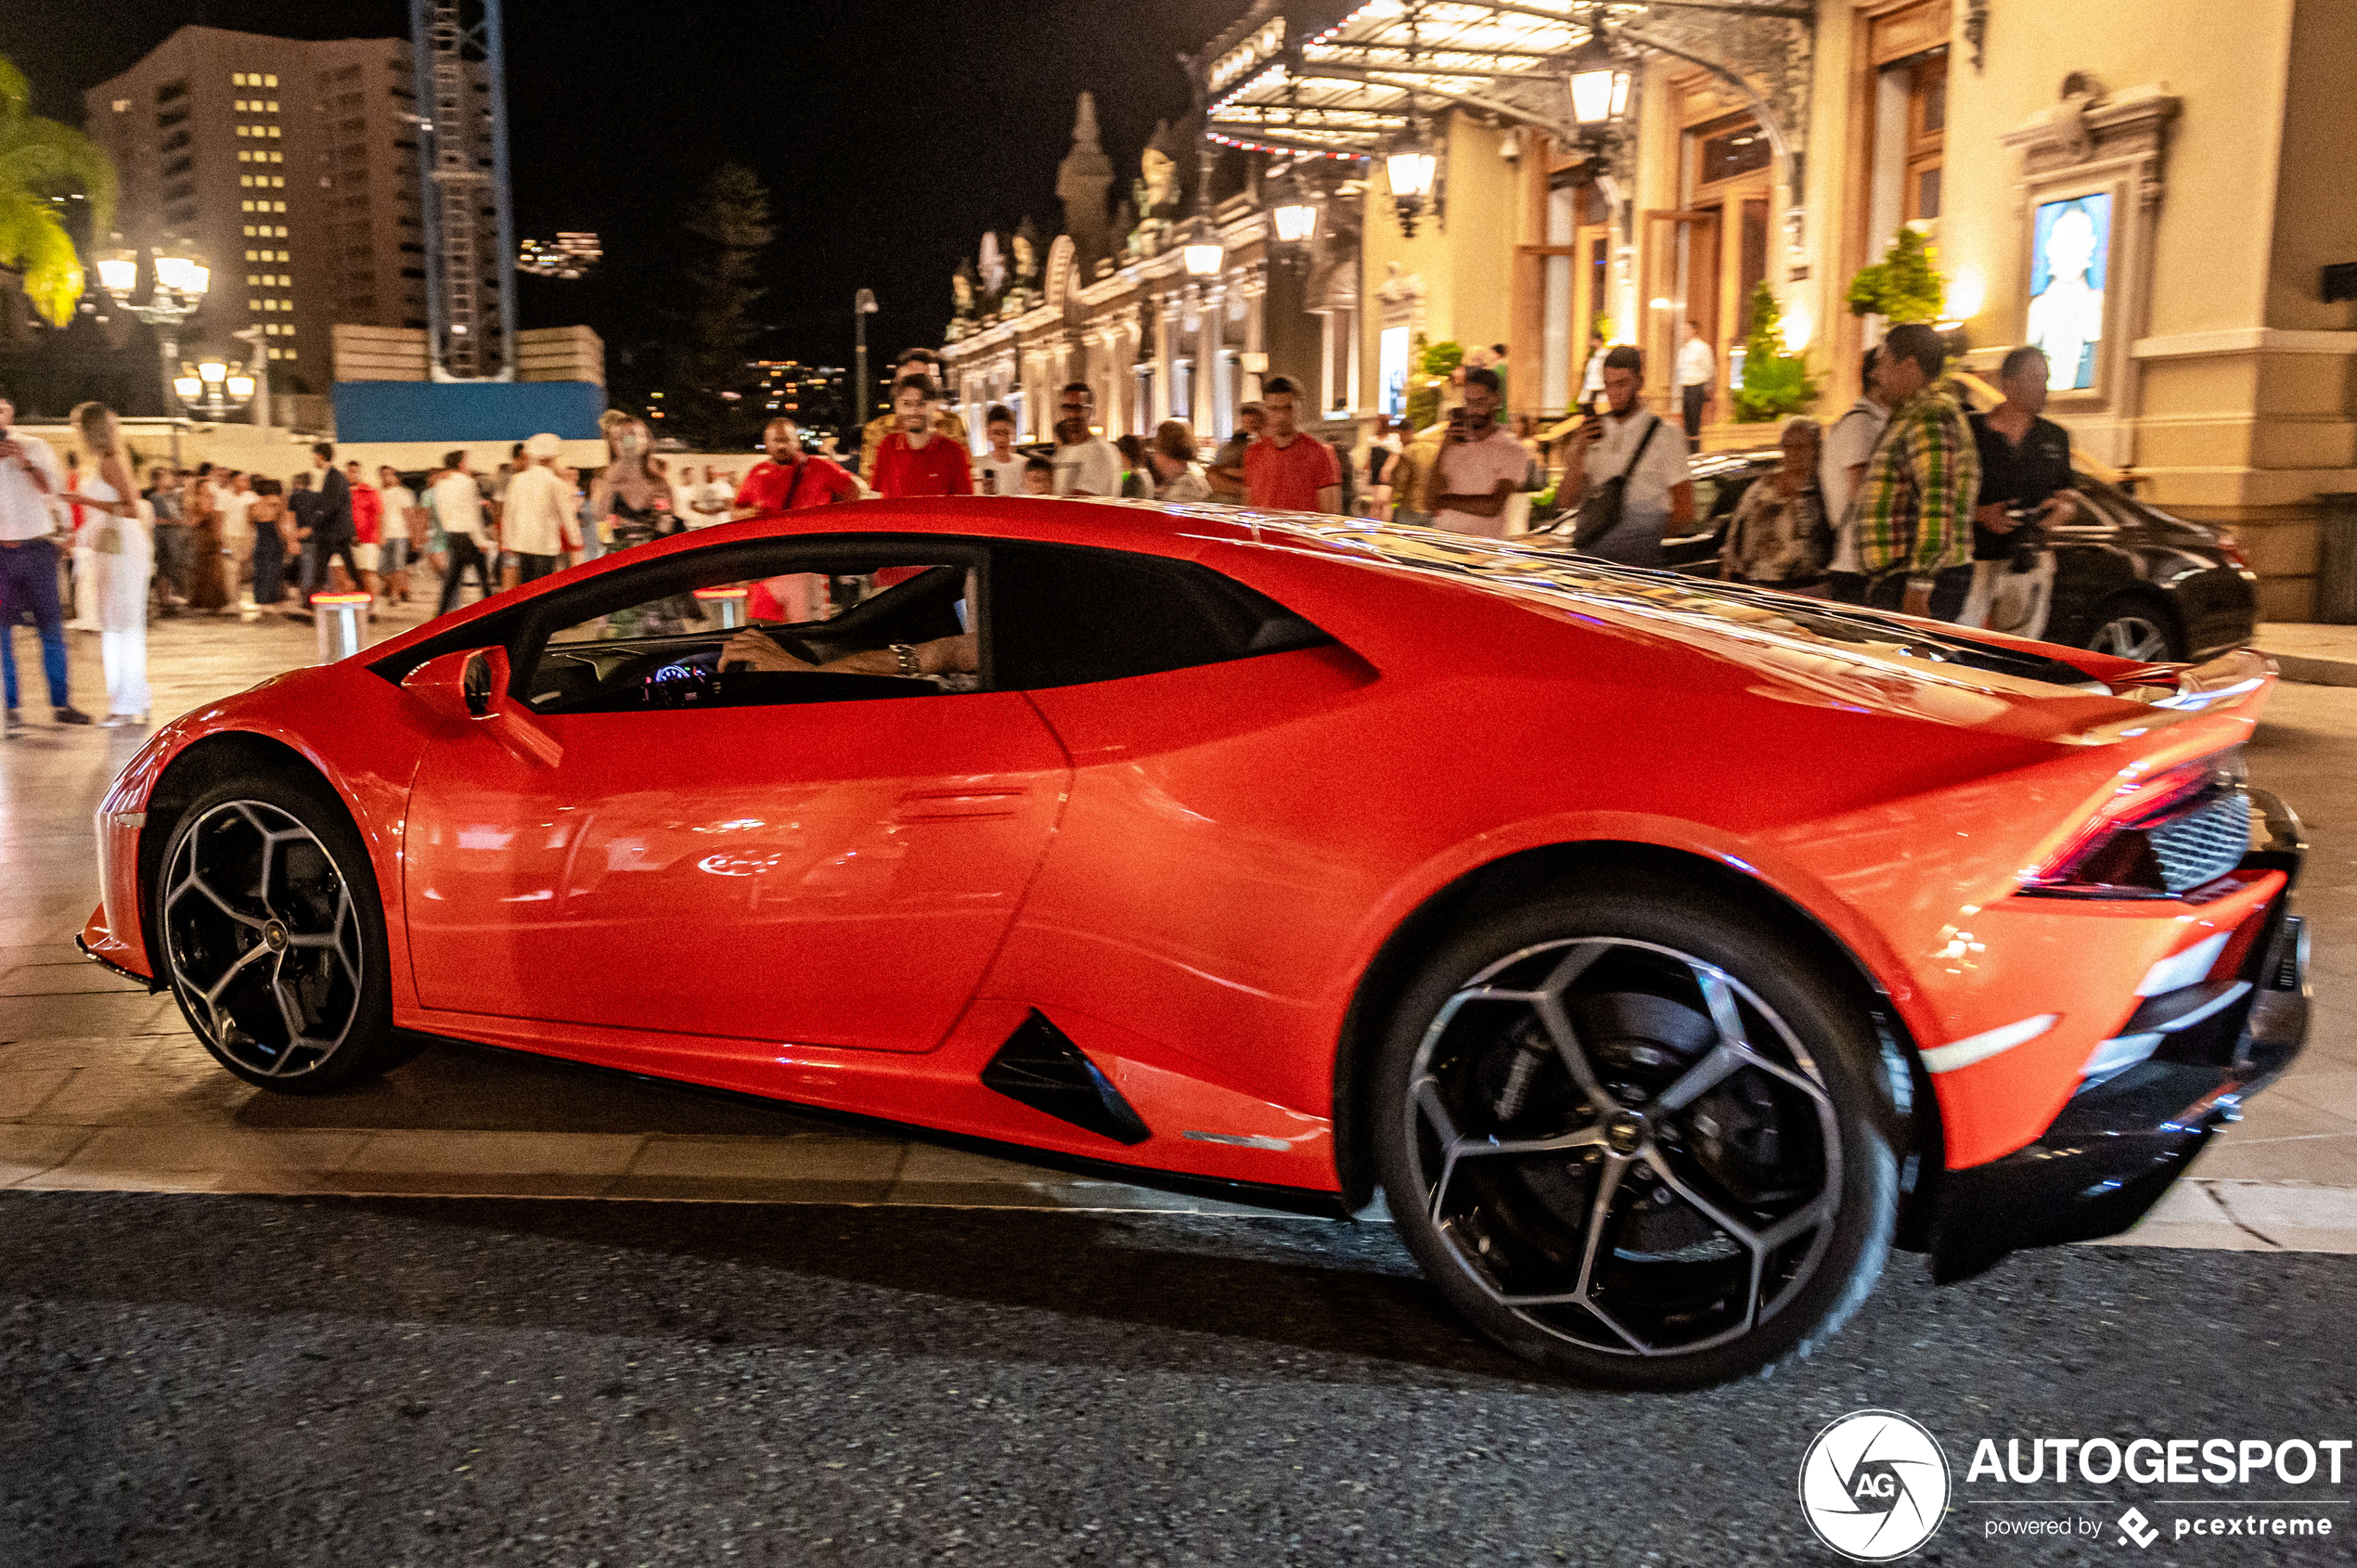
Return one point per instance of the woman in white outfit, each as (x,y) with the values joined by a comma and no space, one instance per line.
(122,555)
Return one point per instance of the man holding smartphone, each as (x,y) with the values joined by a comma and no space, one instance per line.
(29,476)
(1481,464)
(1625,440)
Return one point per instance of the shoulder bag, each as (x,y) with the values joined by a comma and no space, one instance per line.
(1600,512)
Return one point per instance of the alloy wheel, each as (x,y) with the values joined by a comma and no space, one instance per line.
(1624,1145)
(2132,636)
(262,939)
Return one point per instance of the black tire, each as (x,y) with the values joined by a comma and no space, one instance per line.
(1795,1144)
(273,935)
(2136,626)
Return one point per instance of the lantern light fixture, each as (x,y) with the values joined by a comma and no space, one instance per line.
(1204,253)
(1413,166)
(1599,74)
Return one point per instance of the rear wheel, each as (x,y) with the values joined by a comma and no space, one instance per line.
(273,938)
(1633,1136)
(2132,626)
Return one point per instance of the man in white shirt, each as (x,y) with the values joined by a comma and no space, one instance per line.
(457,505)
(999,470)
(400,504)
(29,476)
(1481,465)
(1697,382)
(536,523)
(1631,440)
(1841,468)
(707,503)
(233,499)
(1087,464)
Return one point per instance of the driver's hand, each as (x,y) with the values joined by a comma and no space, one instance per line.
(1991,516)
(946,656)
(757,650)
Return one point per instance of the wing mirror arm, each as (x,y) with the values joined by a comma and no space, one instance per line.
(470,687)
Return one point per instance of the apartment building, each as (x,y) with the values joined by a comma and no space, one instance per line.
(290,168)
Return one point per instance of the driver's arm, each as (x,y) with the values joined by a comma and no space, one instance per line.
(757,650)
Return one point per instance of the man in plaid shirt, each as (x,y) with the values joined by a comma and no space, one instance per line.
(1916,507)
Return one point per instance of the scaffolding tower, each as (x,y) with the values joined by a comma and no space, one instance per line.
(470,288)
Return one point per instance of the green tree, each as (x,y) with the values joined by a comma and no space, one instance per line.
(1775,384)
(728,228)
(41,160)
(1904,286)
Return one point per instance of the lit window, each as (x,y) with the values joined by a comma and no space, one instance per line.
(270,108)
(273,157)
(253,279)
(289,355)
(274,353)
(245,206)
(269,81)
(239,106)
(121,106)
(272,130)
(237,79)
(241,130)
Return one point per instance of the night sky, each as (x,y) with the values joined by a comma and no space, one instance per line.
(889,137)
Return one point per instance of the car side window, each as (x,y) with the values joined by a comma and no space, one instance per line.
(1068,615)
(755,628)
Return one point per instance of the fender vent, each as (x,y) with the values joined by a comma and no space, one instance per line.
(1041,1067)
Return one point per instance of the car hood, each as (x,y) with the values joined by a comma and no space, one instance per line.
(1795,649)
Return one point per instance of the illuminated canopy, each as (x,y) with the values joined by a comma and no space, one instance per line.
(1336,79)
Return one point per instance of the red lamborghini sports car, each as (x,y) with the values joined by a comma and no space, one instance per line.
(1666,952)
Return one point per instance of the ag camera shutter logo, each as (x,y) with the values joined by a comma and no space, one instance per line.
(1873,1485)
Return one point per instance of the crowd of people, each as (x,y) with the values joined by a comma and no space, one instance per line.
(1906,502)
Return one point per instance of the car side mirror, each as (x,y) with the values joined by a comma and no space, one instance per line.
(466,684)
(470,687)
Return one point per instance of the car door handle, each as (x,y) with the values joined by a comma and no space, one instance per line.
(939,805)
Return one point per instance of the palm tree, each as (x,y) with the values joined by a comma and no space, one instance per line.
(39,160)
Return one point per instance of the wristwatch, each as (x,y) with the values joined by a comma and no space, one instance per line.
(906,656)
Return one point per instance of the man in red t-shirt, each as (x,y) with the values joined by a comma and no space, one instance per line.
(791,480)
(1285,471)
(916,459)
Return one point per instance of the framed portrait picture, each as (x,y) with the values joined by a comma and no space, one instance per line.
(2069,271)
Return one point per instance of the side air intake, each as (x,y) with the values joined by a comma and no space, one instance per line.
(1041,1067)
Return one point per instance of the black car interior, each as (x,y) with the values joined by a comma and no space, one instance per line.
(1057,615)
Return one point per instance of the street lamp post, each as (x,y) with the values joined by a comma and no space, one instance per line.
(863,306)
(179,285)
(258,369)
(213,391)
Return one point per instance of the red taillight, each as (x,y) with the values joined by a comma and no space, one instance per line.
(2130,848)
(2232,544)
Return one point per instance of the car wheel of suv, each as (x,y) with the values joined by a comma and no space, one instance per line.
(1635,1137)
(273,938)
(2134,627)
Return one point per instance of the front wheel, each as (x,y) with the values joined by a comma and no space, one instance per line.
(1633,1135)
(273,938)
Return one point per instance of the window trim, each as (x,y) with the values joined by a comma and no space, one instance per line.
(543,617)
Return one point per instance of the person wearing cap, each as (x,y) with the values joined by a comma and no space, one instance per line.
(537,526)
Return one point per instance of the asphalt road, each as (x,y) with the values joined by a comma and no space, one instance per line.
(253,1382)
